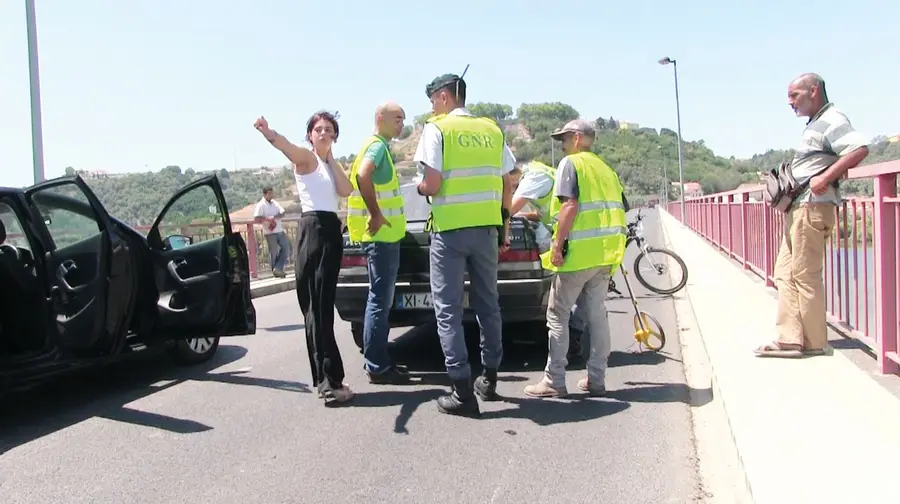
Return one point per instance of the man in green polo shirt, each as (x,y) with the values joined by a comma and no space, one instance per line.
(375,218)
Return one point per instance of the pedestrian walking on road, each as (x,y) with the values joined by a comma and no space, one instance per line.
(536,189)
(466,168)
(588,244)
(269,213)
(321,182)
(828,148)
(375,217)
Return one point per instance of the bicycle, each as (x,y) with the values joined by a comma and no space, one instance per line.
(635,234)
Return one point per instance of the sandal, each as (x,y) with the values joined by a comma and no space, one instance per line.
(775,349)
(333,396)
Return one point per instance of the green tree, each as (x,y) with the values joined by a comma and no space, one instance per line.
(553,112)
(497,111)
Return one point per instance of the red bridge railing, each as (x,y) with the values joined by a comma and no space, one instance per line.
(257,248)
(860,259)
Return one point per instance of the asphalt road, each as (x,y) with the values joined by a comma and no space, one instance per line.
(246,428)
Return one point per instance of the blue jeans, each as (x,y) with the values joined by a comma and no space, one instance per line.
(384,261)
(279,250)
(452,253)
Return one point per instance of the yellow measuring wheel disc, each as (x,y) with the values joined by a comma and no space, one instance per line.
(648,332)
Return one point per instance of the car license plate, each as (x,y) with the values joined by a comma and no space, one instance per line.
(420,301)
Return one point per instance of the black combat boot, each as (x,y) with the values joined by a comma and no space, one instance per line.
(461,401)
(486,385)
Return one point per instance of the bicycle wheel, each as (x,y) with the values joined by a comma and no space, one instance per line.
(660,269)
(652,336)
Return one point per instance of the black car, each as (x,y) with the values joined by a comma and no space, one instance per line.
(522,282)
(79,287)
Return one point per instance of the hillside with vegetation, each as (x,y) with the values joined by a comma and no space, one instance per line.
(880,151)
(137,198)
(643,157)
(639,154)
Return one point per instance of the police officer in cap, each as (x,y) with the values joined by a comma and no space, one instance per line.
(465,168)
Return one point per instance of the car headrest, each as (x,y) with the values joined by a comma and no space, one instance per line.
(2,232)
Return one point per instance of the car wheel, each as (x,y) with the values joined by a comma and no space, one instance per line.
(195,350)
(357,331)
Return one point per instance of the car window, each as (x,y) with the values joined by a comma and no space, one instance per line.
(15,231)
(414,204)
(67,214)
(195,214)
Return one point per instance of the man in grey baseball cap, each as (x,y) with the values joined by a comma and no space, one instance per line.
(576,126)
(588,244)
(579,341)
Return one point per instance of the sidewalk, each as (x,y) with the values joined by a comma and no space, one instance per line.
(814,430)
(271,285)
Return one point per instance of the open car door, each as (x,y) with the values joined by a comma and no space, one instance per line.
(24,308)
(77,237)
(202,280)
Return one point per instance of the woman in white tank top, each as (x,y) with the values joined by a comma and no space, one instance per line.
(321,182)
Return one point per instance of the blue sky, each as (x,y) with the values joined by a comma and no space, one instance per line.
(140,84)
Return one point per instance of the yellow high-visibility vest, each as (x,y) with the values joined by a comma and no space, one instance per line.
(597,237)
(389,200)
(471,193)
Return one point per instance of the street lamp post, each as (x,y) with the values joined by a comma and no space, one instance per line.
(666,179)
(37,134)
(666,61)
(552,153)
(665,183)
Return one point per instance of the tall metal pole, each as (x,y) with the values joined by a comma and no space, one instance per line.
(680,160)
(666,179)
(662,185)
(37,133)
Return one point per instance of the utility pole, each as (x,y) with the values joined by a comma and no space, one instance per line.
(37,130)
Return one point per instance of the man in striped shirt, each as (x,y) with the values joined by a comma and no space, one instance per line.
(830,146)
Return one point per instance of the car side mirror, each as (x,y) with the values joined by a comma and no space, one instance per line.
(176,242)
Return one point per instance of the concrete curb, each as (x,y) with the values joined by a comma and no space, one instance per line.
(732,481)
(269,286)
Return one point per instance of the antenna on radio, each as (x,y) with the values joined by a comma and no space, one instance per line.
(460,78)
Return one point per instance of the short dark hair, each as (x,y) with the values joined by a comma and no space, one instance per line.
(319,116)
(457,90)
(267,189)
(452,83)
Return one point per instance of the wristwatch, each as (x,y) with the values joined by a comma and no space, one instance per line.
(504,213)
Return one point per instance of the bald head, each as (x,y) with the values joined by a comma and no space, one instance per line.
(806,94)
(389,117)
(811,80)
